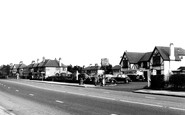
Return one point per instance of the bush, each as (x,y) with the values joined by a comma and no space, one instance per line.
(177,81)
(157,81)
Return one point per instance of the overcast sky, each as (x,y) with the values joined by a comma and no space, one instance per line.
(82,32)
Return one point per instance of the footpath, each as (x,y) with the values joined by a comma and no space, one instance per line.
(65,83)
(3,111)
(162,92)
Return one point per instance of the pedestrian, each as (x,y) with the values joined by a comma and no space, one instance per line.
(96,79)
(103,80)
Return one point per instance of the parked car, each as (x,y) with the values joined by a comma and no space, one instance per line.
(121,78)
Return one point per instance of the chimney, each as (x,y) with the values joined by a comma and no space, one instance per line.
(59,61)
(43,59)
(37,60)
(21,62)
(33,62)
(172,52)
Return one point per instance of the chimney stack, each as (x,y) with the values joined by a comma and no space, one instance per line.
(21,62)
(59,61)
(172,51)
(33,62)
(43,59)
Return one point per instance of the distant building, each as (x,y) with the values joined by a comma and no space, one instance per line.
(104,62)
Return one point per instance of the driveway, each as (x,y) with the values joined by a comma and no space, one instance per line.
(132,86)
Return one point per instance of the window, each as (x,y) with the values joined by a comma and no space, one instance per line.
(158,72)
(125,63)
(156,61)
(145,65)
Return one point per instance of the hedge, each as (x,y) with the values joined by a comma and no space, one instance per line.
(157,82)
(177,81)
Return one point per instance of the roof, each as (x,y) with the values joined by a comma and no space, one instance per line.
(134,57)
(50,63)
(22,66)
(16,66)
(35,64)
(92,68)
(146,57)
(30,65)
(165,52)
(181,68)
(116,67)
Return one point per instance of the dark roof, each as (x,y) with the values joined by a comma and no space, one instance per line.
(35,64)
(146,57)
(21,66)
(116,67)
(16,65)
(165,52)
(92,68)
(50,63)
(134,57)
(182,68)
(30,65)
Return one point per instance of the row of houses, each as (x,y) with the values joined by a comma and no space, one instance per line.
(161,61)
(45,68)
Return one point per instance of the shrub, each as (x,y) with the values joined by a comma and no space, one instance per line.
(177,81)
(157,81)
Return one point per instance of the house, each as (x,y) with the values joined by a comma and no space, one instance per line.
(166,59)
(91,70)
(50,67)
(20,69)
(135,60)
(116,70)
(131,62)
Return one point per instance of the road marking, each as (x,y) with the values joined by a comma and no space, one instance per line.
(59,101)
(17,90)
(31,94)
(113,114)
(149,97)
(101,97)
(76,93)
(133,102)
(106,92)
(181,109)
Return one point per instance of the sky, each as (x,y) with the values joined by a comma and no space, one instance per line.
(82,32)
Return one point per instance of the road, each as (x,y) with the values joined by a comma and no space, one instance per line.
(30,98)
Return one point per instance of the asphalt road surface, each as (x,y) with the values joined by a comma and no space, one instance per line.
(31,98)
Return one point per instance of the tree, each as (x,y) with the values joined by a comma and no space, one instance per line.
(107,69)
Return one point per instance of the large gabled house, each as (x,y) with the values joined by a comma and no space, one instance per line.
(135,60)
(166,59)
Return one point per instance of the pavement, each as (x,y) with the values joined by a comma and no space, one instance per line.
(161,92)
(65,83)
(4,111)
